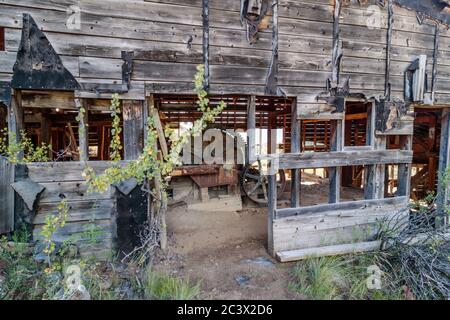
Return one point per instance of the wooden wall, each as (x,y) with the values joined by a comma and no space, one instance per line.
(91,223)
(6,196)
(166,36)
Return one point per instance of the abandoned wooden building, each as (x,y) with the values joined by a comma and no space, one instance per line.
(356,94)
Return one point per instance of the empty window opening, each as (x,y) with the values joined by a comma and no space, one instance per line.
(315,187)
(356,124)
(315,135)
(58,126)
(391,181)
(426,147)
(352,182)
(272,118)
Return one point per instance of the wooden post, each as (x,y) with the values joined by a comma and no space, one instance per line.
(295,148)
(15,114)
(272,195)
(16,117)
(404,170)
(251,127)
(387,83)
(45,128)
(336,173)
(133,128)
(83,129)
(375,174)
(444,159)
(205,18)
(160,131)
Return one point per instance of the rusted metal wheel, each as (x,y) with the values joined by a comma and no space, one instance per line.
(255,185)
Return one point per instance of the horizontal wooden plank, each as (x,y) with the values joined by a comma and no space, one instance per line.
(355,205)
(79,231)
(338,159)
(316,111)
(336,226)
(352,248)
(71,191)
(78,211)
(64,171)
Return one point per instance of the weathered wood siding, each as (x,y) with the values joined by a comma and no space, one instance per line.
(342,223)
(91,223)
(166,36)
(6,196)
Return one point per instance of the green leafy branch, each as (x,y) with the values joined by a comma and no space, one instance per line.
(13,149)
(53,222)
(148,166)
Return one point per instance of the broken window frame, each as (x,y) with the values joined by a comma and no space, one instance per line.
(370,128)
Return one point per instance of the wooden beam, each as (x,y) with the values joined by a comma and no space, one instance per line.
(353,205)
(205,17)
(73,143)
(272,195)
(375,172)
(444,160)
(435,63)
(295,148)
(133,128)
(337,45)
(251,128)
(160,131)
(83,129)
(15,114)
(387,83)
(404,170)
(311,160)
(352,248)
(335,172)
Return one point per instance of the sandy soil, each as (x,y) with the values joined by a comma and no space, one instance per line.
(217,247)
(219,269)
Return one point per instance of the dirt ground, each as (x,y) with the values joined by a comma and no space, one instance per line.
(239,271)
(226,250)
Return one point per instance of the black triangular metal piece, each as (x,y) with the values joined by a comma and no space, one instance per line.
(5,92)
(38,66)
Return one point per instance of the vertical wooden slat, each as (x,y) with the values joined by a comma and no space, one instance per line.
(387,83)
(404,170)
(6,196)
(15,114)
(444,159)
(205,16)
(272,195)
(369,170)
(296,142)
(335,174)
(251,127)
(133,128)
(83,129)
(375,174)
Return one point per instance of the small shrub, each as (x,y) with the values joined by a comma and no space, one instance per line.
(159,286)
(336,278)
